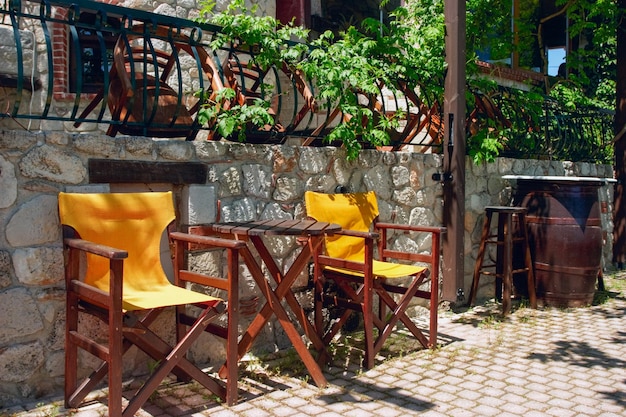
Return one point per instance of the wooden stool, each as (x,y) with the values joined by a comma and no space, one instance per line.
(504,239)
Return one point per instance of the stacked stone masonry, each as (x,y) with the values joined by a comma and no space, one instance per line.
(250,181)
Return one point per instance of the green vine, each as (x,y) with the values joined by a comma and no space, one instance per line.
(242,27)
(232,120)
(349,73)
(268,43)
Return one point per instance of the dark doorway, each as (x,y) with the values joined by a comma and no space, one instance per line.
(338,15)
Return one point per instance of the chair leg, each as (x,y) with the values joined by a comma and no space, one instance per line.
(232,334)
(434,310)
(530,275)
(479,258)
(318,304)
(368,326)
(115,363)
(318,314)
(506,282)
(169,358)
(601,286)
(71,350)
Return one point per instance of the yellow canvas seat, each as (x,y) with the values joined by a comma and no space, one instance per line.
(123,283)
(348,261)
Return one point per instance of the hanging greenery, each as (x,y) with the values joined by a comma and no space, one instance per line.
(406,57)
(349,72)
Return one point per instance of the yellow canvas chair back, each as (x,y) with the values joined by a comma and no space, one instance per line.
(351,212)
(134,222)
(358,277)
(358,212)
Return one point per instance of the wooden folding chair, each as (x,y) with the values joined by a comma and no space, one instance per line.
(349,262)
(123,284)
(140,96)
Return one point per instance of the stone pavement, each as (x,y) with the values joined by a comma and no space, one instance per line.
(546,362)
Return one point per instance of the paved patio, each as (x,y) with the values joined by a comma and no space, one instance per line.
(546,362)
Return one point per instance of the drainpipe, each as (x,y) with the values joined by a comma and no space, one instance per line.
(453,286)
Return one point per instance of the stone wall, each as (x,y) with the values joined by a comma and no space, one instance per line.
(251,181)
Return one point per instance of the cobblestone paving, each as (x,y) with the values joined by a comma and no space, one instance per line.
(546,362)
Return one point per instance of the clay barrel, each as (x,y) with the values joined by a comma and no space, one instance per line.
(565,237)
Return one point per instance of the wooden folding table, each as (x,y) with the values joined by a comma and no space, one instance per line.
(254,232)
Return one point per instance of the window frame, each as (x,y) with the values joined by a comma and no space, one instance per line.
(64,63)
(88,39)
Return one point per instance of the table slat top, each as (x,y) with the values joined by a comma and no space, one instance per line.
(276,227)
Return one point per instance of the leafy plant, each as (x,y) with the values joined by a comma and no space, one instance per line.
(230,120)
(268,39)
(351,71)
(484,147)
(268,43)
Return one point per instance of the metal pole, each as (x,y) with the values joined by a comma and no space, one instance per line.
(454,153)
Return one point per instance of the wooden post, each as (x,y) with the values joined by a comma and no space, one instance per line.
(515,17)
(619,210)
(300,10)
(454,152)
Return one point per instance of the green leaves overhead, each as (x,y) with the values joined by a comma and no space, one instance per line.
(349,72)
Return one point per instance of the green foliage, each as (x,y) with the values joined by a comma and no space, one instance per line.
(350,69)
(592,62)
(269,44)
(488,26)
(232,120)
(483,148)
(349,72)
(243,27)
(590,83)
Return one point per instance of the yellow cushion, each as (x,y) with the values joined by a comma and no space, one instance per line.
(355,211)
(133,222)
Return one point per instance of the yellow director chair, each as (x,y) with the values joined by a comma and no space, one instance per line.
(349,262)
(125,286)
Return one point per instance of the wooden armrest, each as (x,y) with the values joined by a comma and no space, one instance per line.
(96,248)
(208,241)
(411,228)
(356,266)
(356,233)
(85,291)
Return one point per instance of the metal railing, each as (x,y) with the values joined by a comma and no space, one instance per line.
(50,80)
(534,126)
(172,71)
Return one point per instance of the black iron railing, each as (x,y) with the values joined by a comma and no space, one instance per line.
(539,127)
(142,73)
(84,65)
